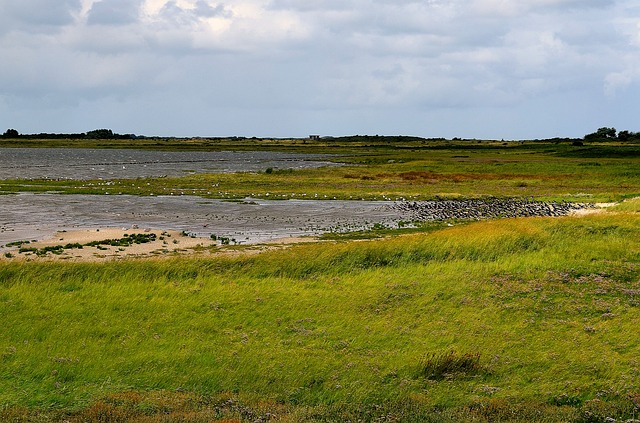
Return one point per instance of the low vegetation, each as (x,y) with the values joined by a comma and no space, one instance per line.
(513,320)
(413,170)
(126,241)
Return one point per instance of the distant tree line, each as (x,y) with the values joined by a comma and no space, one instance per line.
(602,134)
(611,134)
(98,134)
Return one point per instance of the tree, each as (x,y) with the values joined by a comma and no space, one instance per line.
(606,132)
(100,134)
(11,133)
(603,133)
(624,135)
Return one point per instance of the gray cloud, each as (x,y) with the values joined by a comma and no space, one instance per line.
(204,9)
(171,11)
(114,12)
(37,15)
(574,4)
(246,67)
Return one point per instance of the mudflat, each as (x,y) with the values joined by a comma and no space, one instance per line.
(37,217)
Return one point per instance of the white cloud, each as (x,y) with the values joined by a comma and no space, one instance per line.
(626,74)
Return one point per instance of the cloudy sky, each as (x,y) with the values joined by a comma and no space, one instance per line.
(509,69)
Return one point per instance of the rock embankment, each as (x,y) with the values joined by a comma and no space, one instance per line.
(487,208)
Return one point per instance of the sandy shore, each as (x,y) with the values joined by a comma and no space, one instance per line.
(598,208)
(166,243)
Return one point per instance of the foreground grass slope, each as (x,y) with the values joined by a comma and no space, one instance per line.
(523,319)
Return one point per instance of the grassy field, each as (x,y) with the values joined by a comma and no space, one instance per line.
(511,320)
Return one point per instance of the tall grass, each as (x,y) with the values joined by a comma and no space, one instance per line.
(544,311)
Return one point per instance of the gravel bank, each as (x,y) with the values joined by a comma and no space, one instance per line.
(490,208)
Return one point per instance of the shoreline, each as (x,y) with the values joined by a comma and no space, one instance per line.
(108,242)
(93,245)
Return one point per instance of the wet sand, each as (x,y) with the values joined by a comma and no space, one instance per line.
(40,216)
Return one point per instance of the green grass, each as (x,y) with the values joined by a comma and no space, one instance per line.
(531,317)
(631,205)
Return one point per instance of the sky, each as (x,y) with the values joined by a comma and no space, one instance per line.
(490,69)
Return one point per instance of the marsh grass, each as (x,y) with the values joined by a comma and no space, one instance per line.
(382,231)
(449,364)
(497,320)
(631,205)
(390,171)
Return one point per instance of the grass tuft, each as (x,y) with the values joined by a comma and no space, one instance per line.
(449,365)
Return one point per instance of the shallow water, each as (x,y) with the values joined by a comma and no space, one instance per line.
(74,163)
(38,216)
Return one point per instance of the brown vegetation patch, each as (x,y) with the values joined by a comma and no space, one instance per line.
(431,176)
(185,407)
(167,406)
(361,177)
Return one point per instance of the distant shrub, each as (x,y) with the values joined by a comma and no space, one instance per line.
(100,134)
(11,133)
